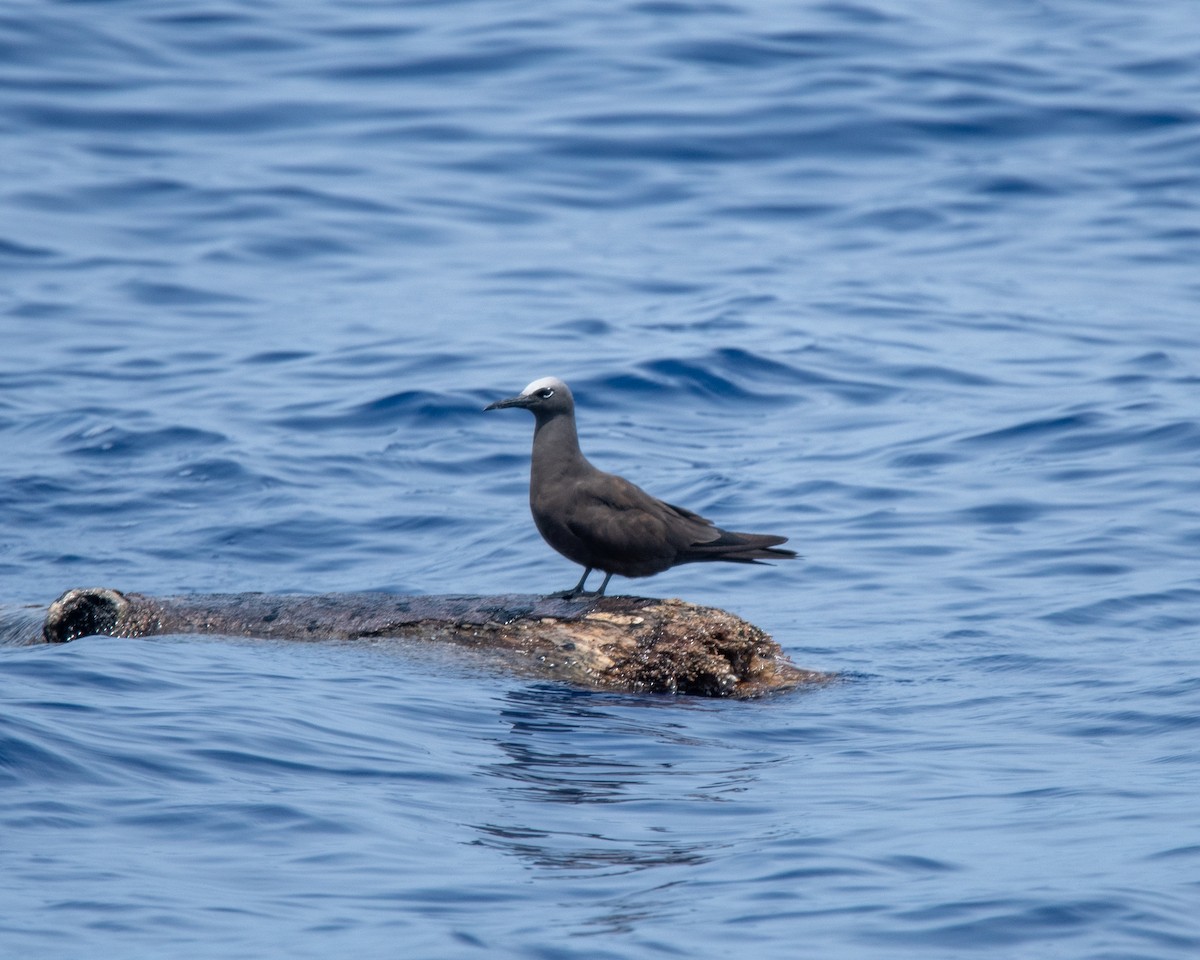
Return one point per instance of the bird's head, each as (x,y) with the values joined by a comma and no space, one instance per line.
(545,398)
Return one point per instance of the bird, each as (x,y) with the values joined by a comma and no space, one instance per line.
(604,522)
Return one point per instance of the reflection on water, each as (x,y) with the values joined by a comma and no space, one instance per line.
(569,752)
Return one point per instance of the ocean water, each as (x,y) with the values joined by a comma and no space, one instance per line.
(913,284)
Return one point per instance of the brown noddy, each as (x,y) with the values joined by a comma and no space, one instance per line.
(604,522)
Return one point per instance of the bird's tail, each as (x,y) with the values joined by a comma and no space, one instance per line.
(734,547)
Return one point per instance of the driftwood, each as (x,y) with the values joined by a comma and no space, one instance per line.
(610,643)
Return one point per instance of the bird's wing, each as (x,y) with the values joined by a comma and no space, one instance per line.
(683,512)
(620,518)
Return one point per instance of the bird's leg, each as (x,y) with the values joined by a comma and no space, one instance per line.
(600,592)
(578,588)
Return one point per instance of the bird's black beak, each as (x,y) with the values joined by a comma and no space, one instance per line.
(510,402)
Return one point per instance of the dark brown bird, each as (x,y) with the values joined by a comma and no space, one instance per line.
(604,522)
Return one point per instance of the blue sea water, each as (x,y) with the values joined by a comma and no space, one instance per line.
(914,284)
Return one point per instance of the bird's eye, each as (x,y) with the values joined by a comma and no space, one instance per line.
(545,393)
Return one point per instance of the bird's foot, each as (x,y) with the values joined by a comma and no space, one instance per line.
(577,591)
(572,594)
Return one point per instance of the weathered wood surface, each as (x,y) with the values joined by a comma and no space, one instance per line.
(611,643)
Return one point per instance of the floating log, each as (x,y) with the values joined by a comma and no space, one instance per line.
(634,644)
